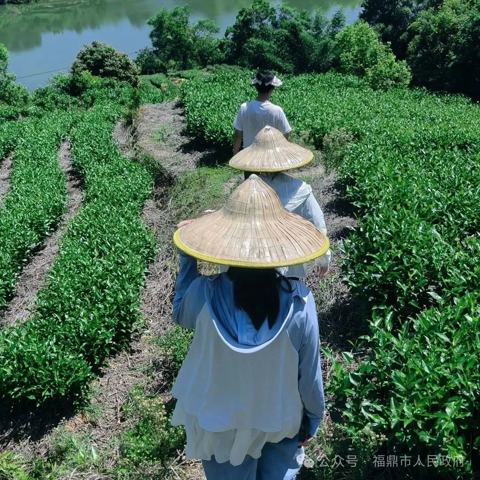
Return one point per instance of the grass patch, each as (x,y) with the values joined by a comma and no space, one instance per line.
(201,189)
(147,449)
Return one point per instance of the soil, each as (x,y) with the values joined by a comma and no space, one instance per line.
(5,168)
(161,133)
(34,275)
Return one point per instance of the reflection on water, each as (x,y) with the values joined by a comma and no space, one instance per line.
(47,36)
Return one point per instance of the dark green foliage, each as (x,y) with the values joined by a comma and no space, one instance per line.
(179,45)
(35,199)
(11,93)
(444,50)
(391,19)
(409,162)
(103,60)
(87,309)
(440,40)
(277,38)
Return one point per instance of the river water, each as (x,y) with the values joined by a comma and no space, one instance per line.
(45,37)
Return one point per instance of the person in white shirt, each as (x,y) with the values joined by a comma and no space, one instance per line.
(253,116)
(271,156)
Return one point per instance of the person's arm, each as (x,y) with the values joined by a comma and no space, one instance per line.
(237,141)
(238,126)
(189,292)
(310,382)
(283,125)
(311,211)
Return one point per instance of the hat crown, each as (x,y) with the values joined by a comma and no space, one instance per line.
(269,138)
(254,198)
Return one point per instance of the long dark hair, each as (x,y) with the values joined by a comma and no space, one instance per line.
(257,292)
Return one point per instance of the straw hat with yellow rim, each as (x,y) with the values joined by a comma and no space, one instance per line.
(252,230)
(271,152)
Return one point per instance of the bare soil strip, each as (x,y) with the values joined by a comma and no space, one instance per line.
(160,132)
(5,168)
(34,275)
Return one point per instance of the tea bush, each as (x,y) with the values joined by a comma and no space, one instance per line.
(91,301)
(411,167)
(36,197)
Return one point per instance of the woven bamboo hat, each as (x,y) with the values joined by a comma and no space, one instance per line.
(271,152)
(252,230)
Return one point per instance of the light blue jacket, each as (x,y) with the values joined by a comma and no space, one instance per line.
(193,291)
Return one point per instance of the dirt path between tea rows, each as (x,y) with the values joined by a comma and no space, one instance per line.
(5,169)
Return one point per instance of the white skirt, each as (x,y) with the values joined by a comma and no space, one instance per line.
(230,445)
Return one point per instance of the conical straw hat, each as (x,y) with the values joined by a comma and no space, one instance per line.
(271,152)
(252,230)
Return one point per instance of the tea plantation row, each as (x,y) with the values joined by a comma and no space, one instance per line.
(91,301)
(36,196)
(413,172)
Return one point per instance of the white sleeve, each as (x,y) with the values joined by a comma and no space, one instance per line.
(311,211)
(238,122)
(282,123)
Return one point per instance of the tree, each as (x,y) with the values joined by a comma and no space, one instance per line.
(171,37)
(11,93)
(103,60)
(444,53)
(360,52)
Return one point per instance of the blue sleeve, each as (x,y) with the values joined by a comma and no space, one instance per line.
(189,292)
(310,382)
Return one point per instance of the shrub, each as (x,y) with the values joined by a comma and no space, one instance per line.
(103,60)
(360,52)
(11,93)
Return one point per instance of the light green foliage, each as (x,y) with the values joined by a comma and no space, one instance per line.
(201,189)
(3,61)
(360,52)
(174,345)
(12,467)
(11,93)
(35,199)
(150,445)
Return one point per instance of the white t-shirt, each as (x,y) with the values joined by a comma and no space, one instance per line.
(253,116)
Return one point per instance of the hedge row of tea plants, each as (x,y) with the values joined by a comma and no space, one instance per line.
(36,197)
(91,301)
(412,170)
(10,134)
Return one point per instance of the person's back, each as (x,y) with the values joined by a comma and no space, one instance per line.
(249,391)
(254,115)
(238,392)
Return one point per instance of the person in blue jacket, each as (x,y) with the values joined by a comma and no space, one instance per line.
(250,391)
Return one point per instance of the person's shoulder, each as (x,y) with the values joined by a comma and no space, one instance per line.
(277,109)
(299,291)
